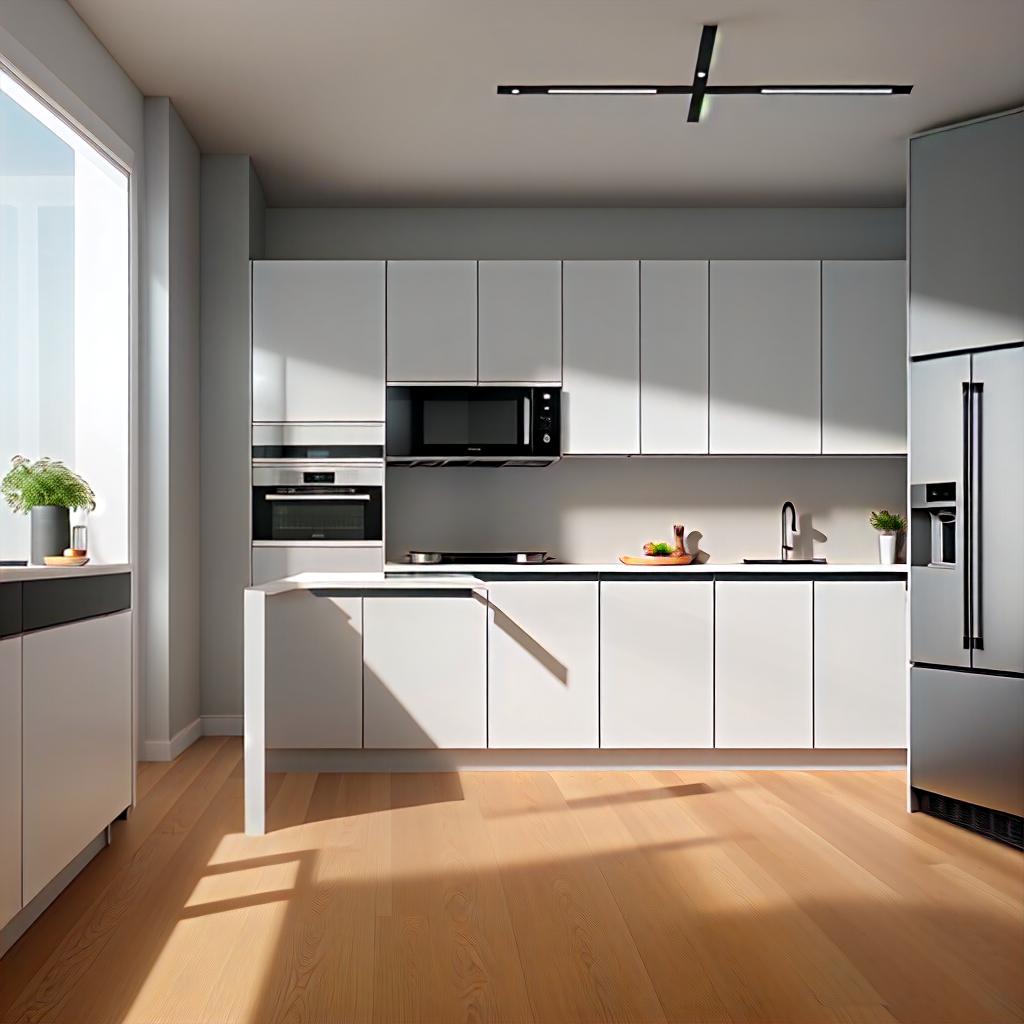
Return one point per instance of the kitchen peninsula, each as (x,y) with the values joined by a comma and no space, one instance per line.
(599,665)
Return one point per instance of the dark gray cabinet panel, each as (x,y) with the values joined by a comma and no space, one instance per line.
(56,602)
(967,236)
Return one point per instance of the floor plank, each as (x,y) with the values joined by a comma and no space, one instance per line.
(535,897)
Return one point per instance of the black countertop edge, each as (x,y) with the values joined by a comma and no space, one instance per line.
(682,575)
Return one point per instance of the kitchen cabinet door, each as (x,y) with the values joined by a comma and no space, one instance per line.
(763,664)
(317,340)
(765,357)
(432,319)
(657,670)
(314,672)
(77,736)
(860,664)
(542,659)
(425,672)
(966,236)
(863,357)
(520,320)
(601,357)
(10,778)
(274,562)
(673,357)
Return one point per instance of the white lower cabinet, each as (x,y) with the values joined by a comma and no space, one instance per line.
(10,778)
(543,664)
(314,683)
(860,664)
(657,664)
(763,664)
(425,672)
(77,735)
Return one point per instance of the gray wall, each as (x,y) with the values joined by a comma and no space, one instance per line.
(593,510)
(585,234)
(49,43)
(169,432)
(230,234)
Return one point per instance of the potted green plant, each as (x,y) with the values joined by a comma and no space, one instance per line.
(889,526)
(46,489)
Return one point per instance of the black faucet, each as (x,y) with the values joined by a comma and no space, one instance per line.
(787,548)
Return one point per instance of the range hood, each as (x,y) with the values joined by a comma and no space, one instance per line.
(488,462)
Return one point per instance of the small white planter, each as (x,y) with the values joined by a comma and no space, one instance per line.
(887,548)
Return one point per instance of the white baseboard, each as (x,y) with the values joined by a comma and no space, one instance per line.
(168,750)
(222,725)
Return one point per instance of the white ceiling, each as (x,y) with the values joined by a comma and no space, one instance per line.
(392,102)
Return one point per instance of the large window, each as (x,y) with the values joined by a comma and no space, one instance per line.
(64,313)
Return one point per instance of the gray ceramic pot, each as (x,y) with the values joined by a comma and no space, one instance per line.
(51,531)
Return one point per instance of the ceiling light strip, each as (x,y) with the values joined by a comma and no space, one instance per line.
(845,89)
(594,90)
(700,72)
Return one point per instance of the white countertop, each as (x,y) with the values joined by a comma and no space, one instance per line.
(608,567)
(368,581)
(20,573)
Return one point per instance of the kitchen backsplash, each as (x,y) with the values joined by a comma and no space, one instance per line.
(592,510)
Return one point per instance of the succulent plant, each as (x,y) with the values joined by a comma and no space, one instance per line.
(658,548)
(888,522)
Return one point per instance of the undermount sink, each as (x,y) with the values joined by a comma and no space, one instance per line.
(784,561)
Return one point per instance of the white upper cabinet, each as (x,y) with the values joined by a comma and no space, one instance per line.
(520,330)
(966,238)
(657,671)
(601,357)
(673,357)
(765,357)
(317,340)
(763,664)
(863,357)
(860,664)
(432,319)
(10,778)
(542,664)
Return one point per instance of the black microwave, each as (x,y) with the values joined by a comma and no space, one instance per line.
(446,424)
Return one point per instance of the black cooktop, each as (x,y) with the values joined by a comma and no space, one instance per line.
(479,557)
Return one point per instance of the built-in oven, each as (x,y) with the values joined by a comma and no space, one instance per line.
(321,505)
(473,424)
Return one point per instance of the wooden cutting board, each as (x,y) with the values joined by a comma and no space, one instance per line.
(66,560)
(655,560)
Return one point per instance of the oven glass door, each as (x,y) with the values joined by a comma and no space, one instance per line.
(470,421)
(297,515)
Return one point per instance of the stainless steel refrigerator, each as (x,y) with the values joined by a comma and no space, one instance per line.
(967,589)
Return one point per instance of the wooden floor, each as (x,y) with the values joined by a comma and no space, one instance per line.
(547,897)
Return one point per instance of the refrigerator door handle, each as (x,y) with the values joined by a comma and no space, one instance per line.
(976,494)
(966,441)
